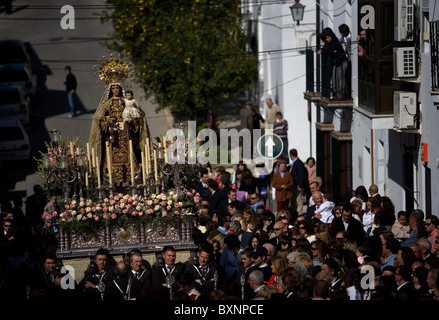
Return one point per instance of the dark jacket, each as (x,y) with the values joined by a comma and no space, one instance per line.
(355,229)
(70,83)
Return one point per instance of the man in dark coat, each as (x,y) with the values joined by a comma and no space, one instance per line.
(347,223)
(300,179)
(216,198)
(203,269)
(163,271)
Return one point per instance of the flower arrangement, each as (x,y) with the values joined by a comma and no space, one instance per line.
(121,208)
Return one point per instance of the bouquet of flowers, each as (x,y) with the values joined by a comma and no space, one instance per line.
(121,208)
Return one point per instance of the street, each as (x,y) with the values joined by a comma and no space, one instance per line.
(38,25)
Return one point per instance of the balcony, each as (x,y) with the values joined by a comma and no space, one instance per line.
(318,83)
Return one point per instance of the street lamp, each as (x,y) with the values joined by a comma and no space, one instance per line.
(297,11)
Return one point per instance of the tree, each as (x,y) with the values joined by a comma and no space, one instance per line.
(188,54)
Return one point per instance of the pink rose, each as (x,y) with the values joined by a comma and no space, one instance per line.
(164,213)
(134,213)
(177,205)
(120,195)
(125,211)
(67,206)
(72,206)
(117,207)
(156,201)
(96,218)
(82,210)
(105,216)
(176,213)
(113,216)
(84,218)
(168,208)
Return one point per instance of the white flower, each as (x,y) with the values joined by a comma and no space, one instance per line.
(169,202)
(89,215)
(153,196)
(73,212)
(88,209)
(156,208)
(79,217)
(111,208)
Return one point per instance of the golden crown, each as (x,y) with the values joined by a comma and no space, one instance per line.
(114,70)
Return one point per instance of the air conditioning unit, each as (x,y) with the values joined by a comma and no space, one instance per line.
(406,20)
(404,62)
(404,110)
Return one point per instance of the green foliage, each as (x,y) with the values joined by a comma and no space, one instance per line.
(188,54)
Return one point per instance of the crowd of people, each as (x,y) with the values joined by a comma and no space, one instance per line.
(308,248)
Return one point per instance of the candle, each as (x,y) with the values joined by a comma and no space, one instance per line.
(88,157)
(147,159)
(165,151)
(86,179)
(98,171)
(155,165)
(148,156)
(107,146)
(71,149)
(143,167)
(93,157)
(131,162)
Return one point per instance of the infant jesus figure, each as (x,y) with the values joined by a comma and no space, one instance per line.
(132,107)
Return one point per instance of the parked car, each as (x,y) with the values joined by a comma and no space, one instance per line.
(13,51)
(14,140)
(14,102)
(19,75)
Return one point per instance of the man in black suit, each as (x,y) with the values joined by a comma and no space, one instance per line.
(331,267)
(203,269)
(160,273)
(217,196)
(138,271)
(97,276)
(201,186)
(300,179)
(405,290)
(347,223)
(123,286)
(231,196)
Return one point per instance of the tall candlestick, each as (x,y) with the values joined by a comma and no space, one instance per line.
(71,149)
(89,157)
(131,162)
(143,167)
(98,172)
(109,167)
(155,165)
(148,156)
(94,158)
(86,179)
(165,150)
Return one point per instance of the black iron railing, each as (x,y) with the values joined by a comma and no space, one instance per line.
(324,85)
